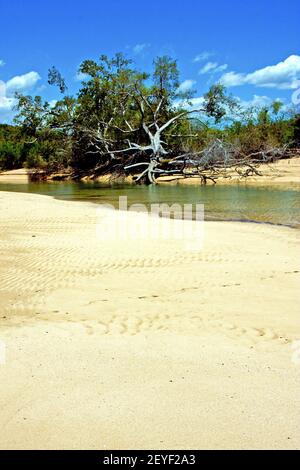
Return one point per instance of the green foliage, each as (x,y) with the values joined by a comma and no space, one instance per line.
(217,103)
(114,106)
(55,78)
(31,113)
(276,106)
(10,155)
(261,133)
(11,148)
(165,77)
(295,129)
(34,159)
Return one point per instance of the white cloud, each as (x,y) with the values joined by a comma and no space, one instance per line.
(203,56)
(17,83)
(256,102)
(283,75)
(233,79)
(140,48)
(186,85)
(221,68)
(193,103)
(52,103)
(6,103)
(208,67)
(212,67)
(80,76)
(254,105)
(22,82)
(260,101)
(2,63)
(196,103)
(41,88)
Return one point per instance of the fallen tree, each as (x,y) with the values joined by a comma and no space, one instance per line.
(124,122)
(218,160)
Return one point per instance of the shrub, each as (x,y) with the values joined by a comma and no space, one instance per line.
(10,155)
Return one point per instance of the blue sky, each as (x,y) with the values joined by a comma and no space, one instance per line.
(252,47)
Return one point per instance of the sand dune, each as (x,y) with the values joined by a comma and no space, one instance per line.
(141,344)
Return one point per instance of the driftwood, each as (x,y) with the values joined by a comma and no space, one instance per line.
(149,161)
(218,160)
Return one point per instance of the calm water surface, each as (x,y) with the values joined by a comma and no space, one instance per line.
(276,204)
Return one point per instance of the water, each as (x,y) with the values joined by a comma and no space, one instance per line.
(275,204)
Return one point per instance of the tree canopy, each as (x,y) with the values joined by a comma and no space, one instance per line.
(126,120)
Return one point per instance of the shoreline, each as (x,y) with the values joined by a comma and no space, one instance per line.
(292,182)
(130,345)
(283,171)
(242,221)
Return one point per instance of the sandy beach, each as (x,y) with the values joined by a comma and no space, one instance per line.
(143,345)
(280,172)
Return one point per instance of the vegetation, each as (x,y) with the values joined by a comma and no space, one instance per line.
(126,121)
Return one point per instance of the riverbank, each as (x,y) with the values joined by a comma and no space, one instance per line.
(283,171)
(117,345)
